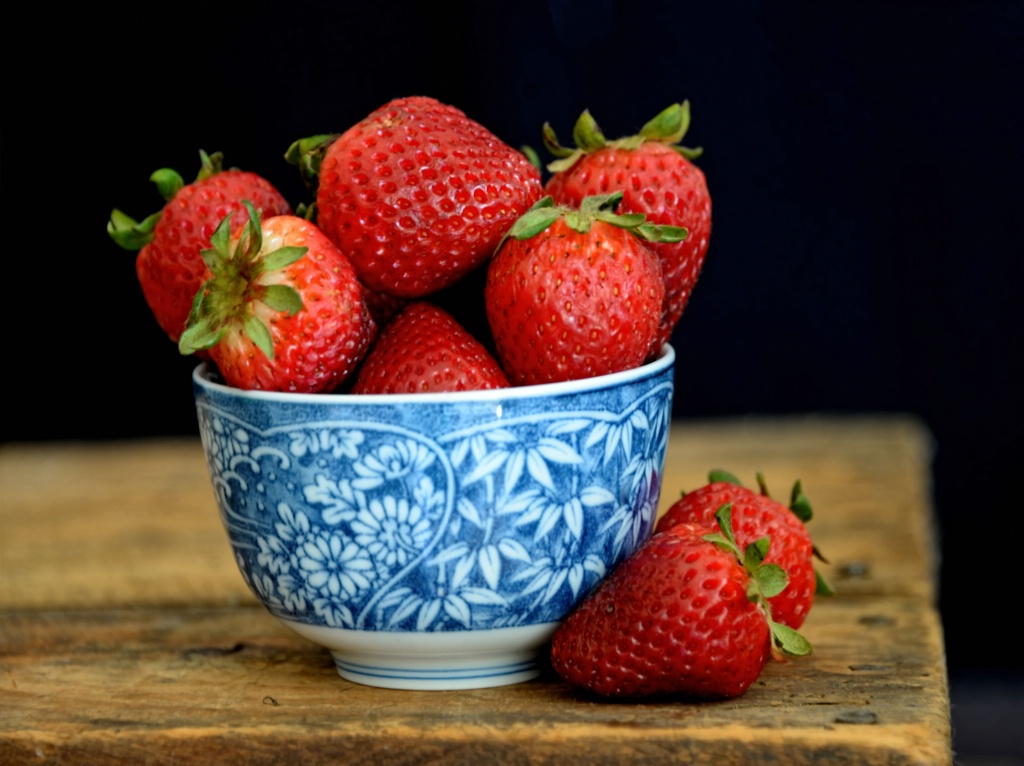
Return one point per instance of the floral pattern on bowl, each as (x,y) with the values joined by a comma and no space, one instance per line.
(431,514)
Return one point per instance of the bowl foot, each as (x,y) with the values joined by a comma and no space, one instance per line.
(438,679)
(469,659)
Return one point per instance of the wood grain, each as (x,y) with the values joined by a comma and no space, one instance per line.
(127,636)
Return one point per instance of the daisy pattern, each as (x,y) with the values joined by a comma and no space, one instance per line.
(335,566)
(392,531)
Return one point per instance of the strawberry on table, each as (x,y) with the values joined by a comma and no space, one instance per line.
(683,615)
(755,514)
(280,308)
(169,265)
(657,177)
(416,194)
(423,349)
(574,293)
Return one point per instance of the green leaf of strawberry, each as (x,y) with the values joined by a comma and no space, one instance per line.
(799,504)
(307,154)
(790,641)
(719,475)
(535,220)
(169,182)
(597,207)
(228,295)
(766,581)
(283,298)
(129,233)
(667,127)
(773,579)
(260,335)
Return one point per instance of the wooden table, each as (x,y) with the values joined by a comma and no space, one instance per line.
(128,636)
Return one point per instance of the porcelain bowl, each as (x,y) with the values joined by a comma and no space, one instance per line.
(435,541)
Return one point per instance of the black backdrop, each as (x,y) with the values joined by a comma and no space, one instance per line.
(864,159)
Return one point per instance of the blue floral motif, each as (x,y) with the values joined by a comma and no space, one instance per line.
(504,522)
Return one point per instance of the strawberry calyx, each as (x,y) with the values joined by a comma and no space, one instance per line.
(801,508)
(766,581)
(307,154)
(236,284)
(798,504)
(716,475)
(667,127)
(597,207)
(531,154)
(134,235)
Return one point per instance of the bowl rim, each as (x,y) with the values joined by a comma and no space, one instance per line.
(203,375)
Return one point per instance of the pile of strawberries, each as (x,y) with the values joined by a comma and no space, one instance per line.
(583,275)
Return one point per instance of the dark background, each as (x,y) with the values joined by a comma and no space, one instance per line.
(864,160)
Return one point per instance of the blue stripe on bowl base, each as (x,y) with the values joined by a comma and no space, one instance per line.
(441,678)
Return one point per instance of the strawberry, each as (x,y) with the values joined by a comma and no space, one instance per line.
(416,194)
(575,293)
(424,349)
(169,265)
(756,515)
(657,178)
(280,308)
(684,614)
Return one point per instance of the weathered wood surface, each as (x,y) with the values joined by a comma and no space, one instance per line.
(127,636)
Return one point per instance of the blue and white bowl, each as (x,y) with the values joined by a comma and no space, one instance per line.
(435,541)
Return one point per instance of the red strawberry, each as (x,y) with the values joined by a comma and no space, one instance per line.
(416,194)
(682,615)
(756,515)
(169,265)
(575,293)
(657,178)
(280,309)
(423,349)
